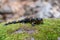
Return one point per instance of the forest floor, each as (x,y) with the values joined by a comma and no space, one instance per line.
(50,30)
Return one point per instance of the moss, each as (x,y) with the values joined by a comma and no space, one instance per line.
(50,30)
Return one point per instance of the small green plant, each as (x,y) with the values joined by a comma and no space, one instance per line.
(50,30)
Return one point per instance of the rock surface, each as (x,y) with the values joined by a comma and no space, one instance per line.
(39,8)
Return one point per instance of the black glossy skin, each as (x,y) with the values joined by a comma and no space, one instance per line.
(33,21)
